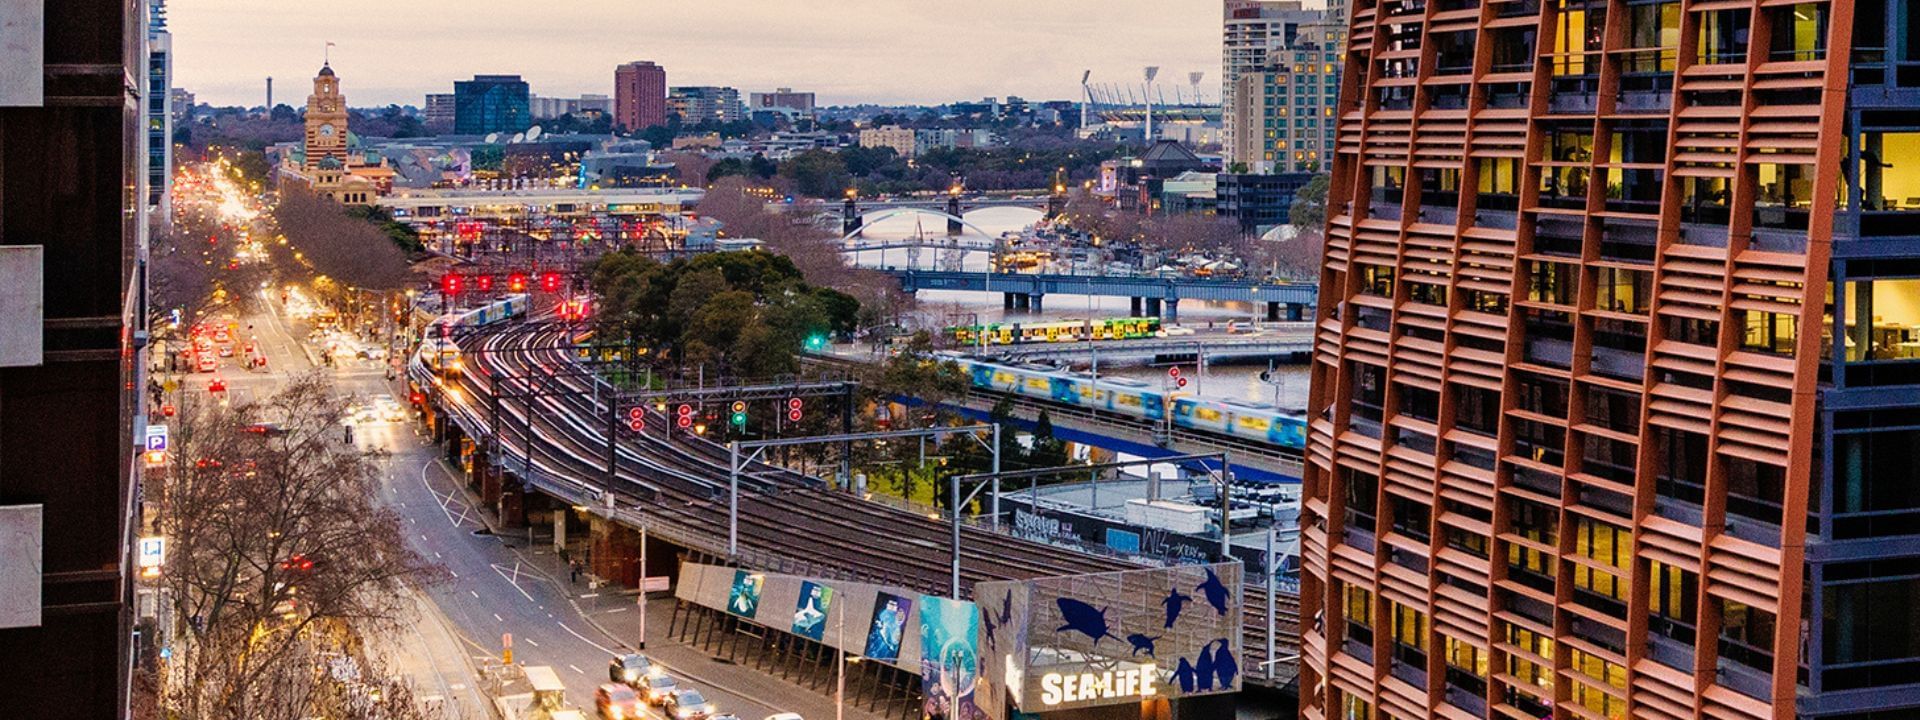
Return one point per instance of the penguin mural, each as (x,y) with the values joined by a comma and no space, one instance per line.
(1141,643)
(1215,591)
(1183,674)
(1175,602)
(1203,668)
(1225,668)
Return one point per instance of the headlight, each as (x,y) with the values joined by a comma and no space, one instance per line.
(629,675)
(615,710)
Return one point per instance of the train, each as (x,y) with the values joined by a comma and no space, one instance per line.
(1257,422)
(1021,333)
(439,350)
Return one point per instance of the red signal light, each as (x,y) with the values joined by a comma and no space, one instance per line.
(484,282)
(450,284)
(550,282)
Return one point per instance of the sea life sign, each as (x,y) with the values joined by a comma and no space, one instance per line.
(1111,638)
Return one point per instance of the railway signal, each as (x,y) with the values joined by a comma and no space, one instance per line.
(550,282)
(793,409)
(517,282)
(739,413)
(637,424)
(685,415)
(484,283)
(450,284)
(635,413)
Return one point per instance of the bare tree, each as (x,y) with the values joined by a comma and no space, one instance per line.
(279,550)
(336,245)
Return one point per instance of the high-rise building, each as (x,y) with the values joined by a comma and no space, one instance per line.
(800,103)
(1286,106)
(706,103)
(1615,400)
(491,104)
(159,99)
(639,95)
(439,112)
(73,85)
(1250,30)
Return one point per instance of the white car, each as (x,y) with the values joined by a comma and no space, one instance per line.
(785,716)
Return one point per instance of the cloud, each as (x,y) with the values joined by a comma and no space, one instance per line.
(848,51)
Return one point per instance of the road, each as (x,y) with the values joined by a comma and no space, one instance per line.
(494,583)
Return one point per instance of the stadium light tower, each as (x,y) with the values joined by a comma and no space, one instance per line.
(1152,71)
(1086,92)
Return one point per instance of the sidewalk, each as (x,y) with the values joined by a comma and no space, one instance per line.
(437,663)
(612,611)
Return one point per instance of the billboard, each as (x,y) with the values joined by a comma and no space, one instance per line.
(743,599)
(1082,641)
(888,626)
(810,615)
(949,658)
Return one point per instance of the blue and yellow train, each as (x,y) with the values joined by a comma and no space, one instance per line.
(1134,398)
(438,349)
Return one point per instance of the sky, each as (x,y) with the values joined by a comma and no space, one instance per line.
(847,51)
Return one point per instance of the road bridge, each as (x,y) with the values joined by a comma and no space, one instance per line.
(1152,296)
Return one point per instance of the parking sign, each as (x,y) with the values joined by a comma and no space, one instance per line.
(156,438)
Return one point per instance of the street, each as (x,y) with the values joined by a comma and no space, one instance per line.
(494,584)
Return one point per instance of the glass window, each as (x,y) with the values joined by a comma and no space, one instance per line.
(1410,629)
(1466,665)
(1769,332)
(1800,33)
(1578,33)
(1362,500)
(1883,319)
(1746,635)
(1673,596)
(1608,545)
(1624,291)
(1681,462)
(1476,409)
(1723,36)
(1874,492)
(1551,282)
(1412,519)
(1755,490)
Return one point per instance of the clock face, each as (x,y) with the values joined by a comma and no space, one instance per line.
(326,130)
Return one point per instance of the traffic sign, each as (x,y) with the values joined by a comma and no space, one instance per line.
(636,413)
(637,424)
(156,438)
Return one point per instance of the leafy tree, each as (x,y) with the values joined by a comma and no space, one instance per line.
(817,173)
(1309,211)
(1048,451)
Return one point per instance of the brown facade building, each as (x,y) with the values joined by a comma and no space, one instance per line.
(639,95)
(73,78)
(1616,394)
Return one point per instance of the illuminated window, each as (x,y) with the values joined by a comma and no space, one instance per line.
(1623,290)
(1410,629)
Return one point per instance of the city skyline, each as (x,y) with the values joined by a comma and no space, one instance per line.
(846,58)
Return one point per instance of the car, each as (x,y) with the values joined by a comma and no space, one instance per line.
(617,702)
(226,350)
(725,716)
(785,716)
(629,669)
(688,704)
(388,410)
(655,689)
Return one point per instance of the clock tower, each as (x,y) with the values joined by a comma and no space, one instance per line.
(326,120)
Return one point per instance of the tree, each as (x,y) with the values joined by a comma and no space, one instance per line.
(817,173)
(278,546)
(1047,451)
(1309,210)
(336,245)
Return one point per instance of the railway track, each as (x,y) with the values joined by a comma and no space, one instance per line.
(784,516)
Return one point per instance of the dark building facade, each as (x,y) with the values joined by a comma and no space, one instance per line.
(1616,399)
(1258,201)
(72,183)
(639,95)
(491,104)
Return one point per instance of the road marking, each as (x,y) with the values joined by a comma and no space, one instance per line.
(615,610)
(531,641)
(474,593)
(583,638)
(453,573)
(511,581)
(576,668)
(589,595)
(436,556)
(423,537)
(496,618)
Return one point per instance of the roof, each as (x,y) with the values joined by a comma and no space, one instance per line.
(326,70)
(1169,151)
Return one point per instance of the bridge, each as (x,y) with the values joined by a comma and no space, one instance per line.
(1150,294)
